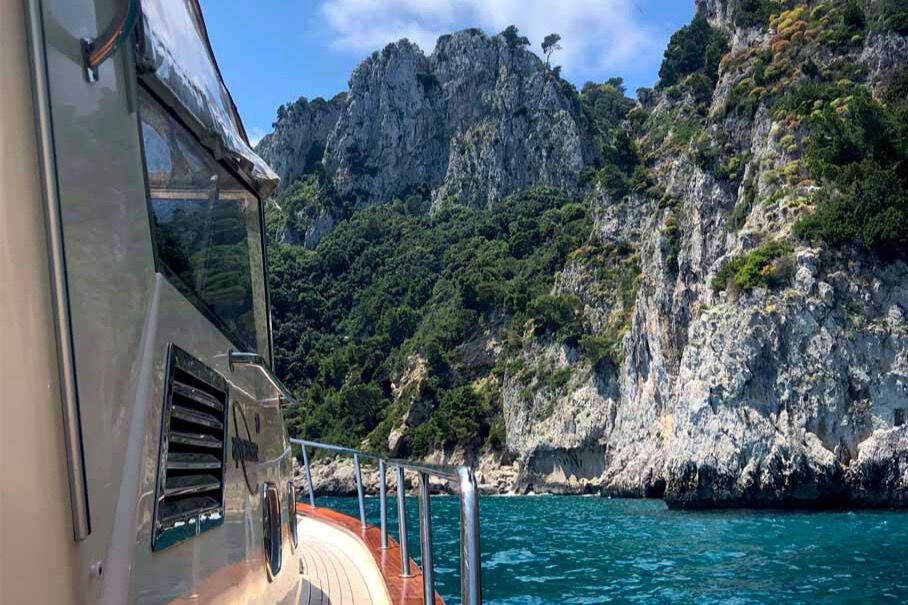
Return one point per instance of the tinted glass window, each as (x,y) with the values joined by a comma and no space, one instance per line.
(206,227)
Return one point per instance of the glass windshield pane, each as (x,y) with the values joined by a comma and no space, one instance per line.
(207,230)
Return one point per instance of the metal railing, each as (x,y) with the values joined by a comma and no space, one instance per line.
(460,476)
(95,52)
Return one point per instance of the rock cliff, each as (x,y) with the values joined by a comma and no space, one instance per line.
(478,119)
(790,395)
(297,144)
(721,355)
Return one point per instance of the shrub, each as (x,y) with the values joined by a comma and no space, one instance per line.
(754,269)
(871,211)
(801,100)
(559,378)
(596,347)
(671,244)
(555,314)
(456,420)
(497,435)
(810,69)
(894,16)
(606,104)
(741,102)
(896,95)
(614,180)
(857,142)
(853,16)
(604,347)
(847,29)
(693,48)
(701,88)
(753,13)
(513,38)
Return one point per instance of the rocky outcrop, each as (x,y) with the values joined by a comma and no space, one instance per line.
(474,121)
(783,397)
(791,398)
(409,397)
(297,144)
(557,414)
(510,124)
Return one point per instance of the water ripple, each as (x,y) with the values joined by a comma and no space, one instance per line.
(541,551)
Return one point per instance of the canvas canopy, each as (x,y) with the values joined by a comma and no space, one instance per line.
(176,61)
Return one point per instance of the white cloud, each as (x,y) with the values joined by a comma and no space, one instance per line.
(599,37)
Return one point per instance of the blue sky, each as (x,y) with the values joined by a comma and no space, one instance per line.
(275,51)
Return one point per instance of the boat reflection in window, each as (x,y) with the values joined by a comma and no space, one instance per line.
(206,229)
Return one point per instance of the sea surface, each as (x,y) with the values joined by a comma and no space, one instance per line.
(550,549)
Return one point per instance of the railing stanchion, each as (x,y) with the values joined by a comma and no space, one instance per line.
(383,503)
(402,523)
(470,567)
(359,491)
(468,491)
(308,477)
(425,530)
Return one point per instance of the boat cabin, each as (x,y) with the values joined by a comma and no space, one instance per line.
(144,453)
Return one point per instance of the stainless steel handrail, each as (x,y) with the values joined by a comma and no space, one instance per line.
(69,393)
(401,514)
(445,471)
(460,476)
(98,50)
(237,358)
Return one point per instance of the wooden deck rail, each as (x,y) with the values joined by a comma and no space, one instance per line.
(460,477)
(402,590)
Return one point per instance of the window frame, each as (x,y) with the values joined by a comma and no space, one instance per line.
(197,302)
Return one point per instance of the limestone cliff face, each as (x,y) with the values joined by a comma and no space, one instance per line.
(773,397)
(790,397)
(296,147)
(558,413)
(707,396)
(476,120)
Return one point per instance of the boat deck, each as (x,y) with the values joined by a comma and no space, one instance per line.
(338,570)
(344,563)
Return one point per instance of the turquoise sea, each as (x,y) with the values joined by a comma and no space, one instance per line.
(549,549)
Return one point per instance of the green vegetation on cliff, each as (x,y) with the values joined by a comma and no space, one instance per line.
(402,317)
(695,48)
(859,150)
(892,15)
(606,109)
(394,281)
(756,269)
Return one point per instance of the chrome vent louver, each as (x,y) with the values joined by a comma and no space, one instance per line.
(190,484)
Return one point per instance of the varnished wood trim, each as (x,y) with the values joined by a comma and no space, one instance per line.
(403,591)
